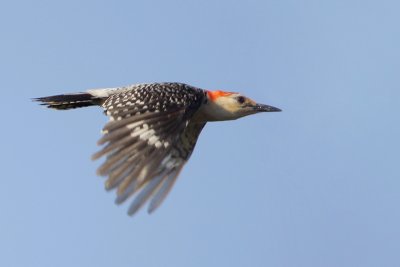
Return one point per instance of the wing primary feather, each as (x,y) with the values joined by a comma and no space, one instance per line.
(124,142)
(145,172)
(164,189)
(114,139)
(121,172)
(121,198)
(117,156)
(117,133)
(114,180)
(144,195)
(114,135)
(129,177)
(124,185)
(133,187)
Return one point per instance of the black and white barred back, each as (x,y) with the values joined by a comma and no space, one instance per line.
(148,139)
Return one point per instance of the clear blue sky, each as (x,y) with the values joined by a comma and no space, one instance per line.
(315,185)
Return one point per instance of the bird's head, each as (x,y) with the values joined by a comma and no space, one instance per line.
(230,106)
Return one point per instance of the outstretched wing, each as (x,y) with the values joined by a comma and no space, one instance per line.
(149,138)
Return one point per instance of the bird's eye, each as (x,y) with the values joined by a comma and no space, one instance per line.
(241,99)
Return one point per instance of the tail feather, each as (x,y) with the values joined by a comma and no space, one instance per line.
(70,101)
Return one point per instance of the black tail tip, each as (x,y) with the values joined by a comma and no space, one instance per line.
(68,101)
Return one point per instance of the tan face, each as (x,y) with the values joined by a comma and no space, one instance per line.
(230,106)
(236,105)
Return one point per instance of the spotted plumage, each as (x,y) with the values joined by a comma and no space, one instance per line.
(152,132)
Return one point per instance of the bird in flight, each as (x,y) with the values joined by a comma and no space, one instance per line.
(152,131)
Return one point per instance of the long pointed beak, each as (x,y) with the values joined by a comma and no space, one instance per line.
(265,108)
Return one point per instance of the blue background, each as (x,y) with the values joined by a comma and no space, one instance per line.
(315,185)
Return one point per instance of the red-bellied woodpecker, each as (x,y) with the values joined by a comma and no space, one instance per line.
(152,132)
